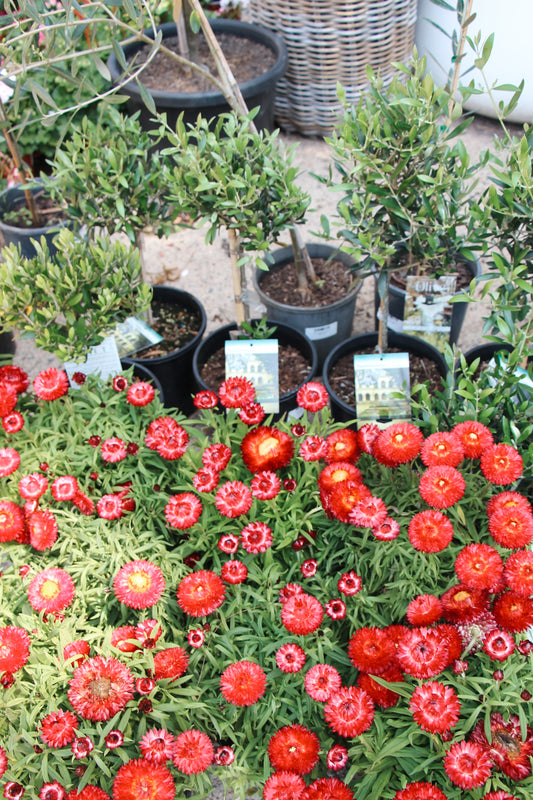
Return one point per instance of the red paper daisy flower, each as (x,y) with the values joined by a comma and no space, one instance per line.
(14,648)
(513,612)
(321,681)
(236,392)
(113,450)
(233,499)
(8,398)
(511,527)
(499,645)
(312,396)
(9,461)
(183,510)
(442,448)
(11,521)
(397,444)
(89,792)
(3,761)
(350,711)
(430,531)
(441,486)
(369,512)
(337,757)
(518,572)
(216,456)
(294,748)
(193,752)
(224,756)
(462,603)
(140,778)
(13,422)
(206,480)
(170,663)
(435,707)
(327,789)
(335,609)
(422,652)
(252,414)
(200,593)
(243,683)
(52,790)
(140,393)
(76,652)
(474,436)
(51,590)
(65,488)
(167,431)
(342,445)
(42,529)
(302,614)
(501,464)
(508,750)
(267,447)
(290,657)
(371,649)
(50,384)
(58,728)
(33,486)
(100,688)
(338,472)
(228,543)
(139,584)
(420,790)
(284,786)
(313,448)
(157,745)
(256,537)
(508,499)
(349,583)
(234,572)
(288,591)
(13,790)
(15,376)
(424,609)
(343,498)
(467,765)
(205,399)
(499,795)
(479,566)
(265,485)
(386,531)
(122,639)
(380,695)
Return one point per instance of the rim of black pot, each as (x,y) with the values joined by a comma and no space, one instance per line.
(18,192)
(364,340)
(233,326)
(235,28)
(190,301)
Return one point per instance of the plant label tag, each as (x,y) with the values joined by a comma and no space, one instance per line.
(257,360)
(322,331)
(428,311)
(102,360)
(382,388)
(134,335)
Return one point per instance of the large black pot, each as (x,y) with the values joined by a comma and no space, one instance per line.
(10,200)
(7,344)
(327,326)
(174,370)
(341,411)
(259,91)
(397,305)
(285,335)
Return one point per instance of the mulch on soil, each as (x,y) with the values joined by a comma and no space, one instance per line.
(334,281)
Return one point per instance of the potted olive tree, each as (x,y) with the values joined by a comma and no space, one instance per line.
(111,179)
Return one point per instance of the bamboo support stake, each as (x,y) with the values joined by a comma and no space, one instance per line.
(242,311)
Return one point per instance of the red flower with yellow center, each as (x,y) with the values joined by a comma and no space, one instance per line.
(441,486)
(474,437)
(518,572)
(442,448)
(338,472)
(511,527)
(479,566)
(430,531)
(243,683)
(139,584)
(267,448)
(513,612)
(14,648)
(51,590)
(397,444)
(342,446)
(294,748)
(462,603)
(11,521)
(501,464)
(200,593)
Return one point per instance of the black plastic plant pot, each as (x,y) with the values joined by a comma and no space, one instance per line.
(259,91)
(12,199)
(340,410)
(327,326)
(174,370)
(286,335)
(7,344)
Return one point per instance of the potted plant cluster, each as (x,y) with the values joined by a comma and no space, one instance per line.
(298,609)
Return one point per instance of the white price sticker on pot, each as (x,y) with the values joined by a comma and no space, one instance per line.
(321,332)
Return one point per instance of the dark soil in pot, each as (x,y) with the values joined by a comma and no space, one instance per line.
(293,369)
(176,326)
(463,272)
(247,60)
(334,280)
(49,212)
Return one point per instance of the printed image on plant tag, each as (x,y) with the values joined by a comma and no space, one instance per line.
(134,335)
(257,360)
(428,311)
(379,380)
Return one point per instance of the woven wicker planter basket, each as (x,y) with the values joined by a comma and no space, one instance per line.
(330,42)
